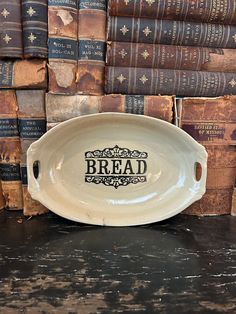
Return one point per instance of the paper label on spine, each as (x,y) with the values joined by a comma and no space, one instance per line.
(63,3)
(8,128)
(31,128)
(134,104)
(10,172)
(6,74)
(205,131)
(92,5)
(91,50)
(62,48)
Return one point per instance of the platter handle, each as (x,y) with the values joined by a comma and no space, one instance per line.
(201,162)
(33,158)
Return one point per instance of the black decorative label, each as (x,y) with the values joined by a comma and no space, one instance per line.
(24,178)
(205,131)
(62,48)
(63,3)
(31,128)
(134,104)
(8,127)
(116,166)
(93,5)
(6,74)
(91,50)
(10,172)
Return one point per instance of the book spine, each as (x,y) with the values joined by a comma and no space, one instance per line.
(10,151)
(121,54)
(91,56)
(122,80)
(62,45)
(209,11)
(181,33)
(213,203)
(23,74)
(233,207)
(212,122)
(160,107)
(2,200)
(76,105)
(32,125)
(35,25)
(10,29)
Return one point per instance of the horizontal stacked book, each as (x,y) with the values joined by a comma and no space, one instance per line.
(170,47)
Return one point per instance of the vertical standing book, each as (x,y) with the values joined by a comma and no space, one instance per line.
(32,125)
(10,151)
(10,29)
(35,28)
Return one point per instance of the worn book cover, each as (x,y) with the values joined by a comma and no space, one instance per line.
(212,122)
(209,11)
(2,200)
(62,45)
(160,107)
(23,74)
(11,45)
(32,125)
(35,28)
(91,39)
(233,208)
(147,81)
(123,54)
(10,151)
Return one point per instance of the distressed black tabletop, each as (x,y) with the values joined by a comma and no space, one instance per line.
(183,265)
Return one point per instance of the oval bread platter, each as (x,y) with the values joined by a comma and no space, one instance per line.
(116,169)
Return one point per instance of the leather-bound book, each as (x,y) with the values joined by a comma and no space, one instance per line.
(23,74)
(35,28)
(10,151)
(160,107)
(122,54)
(76,105)
(11,45)
(212,122)
(146,81)
(62,45)
(168,32)
(2,200)
(32,125)
(209,11)
(233,208)
(91,37)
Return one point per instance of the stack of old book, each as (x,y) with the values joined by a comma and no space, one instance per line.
(23,80)
(183,48)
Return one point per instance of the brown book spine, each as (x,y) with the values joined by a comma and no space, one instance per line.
(92,37)
(160,107)
(146,81)
(2,200)
(35,28)
(76,105)
(10,29)
(32,125)
(209,11)
(62,45)
(121,54)
(181,33)
(212,122)
(10,151)
(233,208)
(23,74)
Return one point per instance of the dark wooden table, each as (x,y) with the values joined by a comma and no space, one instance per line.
(183,265)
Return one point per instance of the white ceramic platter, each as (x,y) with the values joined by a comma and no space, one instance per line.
(116,169)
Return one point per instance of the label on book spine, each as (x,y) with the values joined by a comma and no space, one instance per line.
(60,48)
(10,172)
(91,50)
(31,129)
(205,131)
(134,104)
(92,5)
(8,128)
(63,3)
(24,178)
(6,74)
